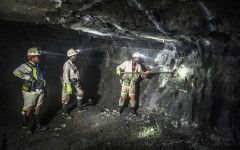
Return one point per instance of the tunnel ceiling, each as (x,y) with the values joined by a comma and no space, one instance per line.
(157,20)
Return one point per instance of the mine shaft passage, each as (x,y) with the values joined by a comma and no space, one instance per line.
(119,74)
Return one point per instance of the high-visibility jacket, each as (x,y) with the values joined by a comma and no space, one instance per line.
(70,72)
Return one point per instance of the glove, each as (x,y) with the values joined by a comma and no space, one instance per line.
(146,73)
(118,71)
(69,88)
(31,79)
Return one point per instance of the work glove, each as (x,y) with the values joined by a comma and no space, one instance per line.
(32,79)
(146,73)
(118,71)
(69,88)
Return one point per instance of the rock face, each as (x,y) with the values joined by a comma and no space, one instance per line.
(195,44)
(204,89)
(128,19)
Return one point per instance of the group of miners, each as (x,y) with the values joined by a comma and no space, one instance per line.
(34,85)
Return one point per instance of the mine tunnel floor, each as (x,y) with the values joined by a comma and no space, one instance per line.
(101,128)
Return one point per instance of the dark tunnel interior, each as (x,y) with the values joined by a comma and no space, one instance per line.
(190,99)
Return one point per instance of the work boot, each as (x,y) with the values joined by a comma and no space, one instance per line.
(25,124)
(38,125)
(80,105)
(120,109)
(24,121)
(67,116)
(65,113)
(29,131)
(133,111)
(81,109)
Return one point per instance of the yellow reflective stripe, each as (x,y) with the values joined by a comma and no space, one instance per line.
(35,73)
(34,70)
(25,109)
(18,74)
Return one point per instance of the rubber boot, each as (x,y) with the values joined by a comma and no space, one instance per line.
(120,106)
(120,109)
(25,125)
(133,111)
(24,120)
(65,113)
(64,108)
(38,125)
(80,105)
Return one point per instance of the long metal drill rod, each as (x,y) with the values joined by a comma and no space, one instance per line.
(150,72)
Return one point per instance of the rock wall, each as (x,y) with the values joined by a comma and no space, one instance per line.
(208,93)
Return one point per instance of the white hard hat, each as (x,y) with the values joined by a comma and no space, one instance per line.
(136,55)
(71,52)
(33,52)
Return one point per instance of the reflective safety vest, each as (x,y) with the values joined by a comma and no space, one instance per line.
(36,74)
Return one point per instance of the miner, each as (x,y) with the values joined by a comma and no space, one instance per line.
(132,71)
(70,81)
(32,89)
